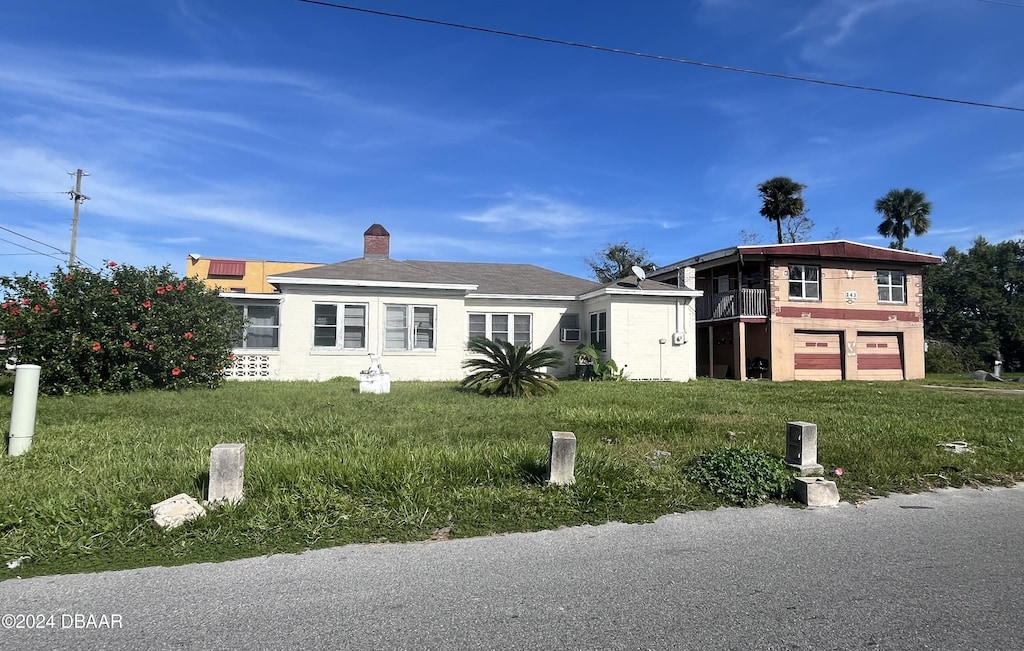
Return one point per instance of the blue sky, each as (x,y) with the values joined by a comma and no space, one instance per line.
(282,130)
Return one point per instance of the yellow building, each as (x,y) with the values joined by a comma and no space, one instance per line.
(240,276)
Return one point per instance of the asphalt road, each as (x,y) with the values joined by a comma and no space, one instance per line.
(932,571)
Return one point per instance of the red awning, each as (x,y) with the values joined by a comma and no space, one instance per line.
(227,268)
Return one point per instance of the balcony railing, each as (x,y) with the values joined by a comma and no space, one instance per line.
(734,304)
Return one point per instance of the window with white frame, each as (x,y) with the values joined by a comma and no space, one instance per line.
(892,286)
(804,282)
(337,325)
(261,326)
(599,330)
(409,327)
(517,328)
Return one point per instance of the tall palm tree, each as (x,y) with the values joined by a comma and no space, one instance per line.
(905,211)
(781,198)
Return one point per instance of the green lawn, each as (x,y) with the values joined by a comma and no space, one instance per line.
(327,466)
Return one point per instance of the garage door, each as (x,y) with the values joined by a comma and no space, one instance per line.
(878,357)
(817,356)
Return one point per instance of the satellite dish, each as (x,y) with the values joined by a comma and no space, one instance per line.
(640,274)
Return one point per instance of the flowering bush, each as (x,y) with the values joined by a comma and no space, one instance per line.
(120,329)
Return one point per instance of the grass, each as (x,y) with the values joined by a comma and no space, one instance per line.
(328,466)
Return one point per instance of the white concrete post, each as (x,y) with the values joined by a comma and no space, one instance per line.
(23,408)
(562,467)
(802,448)
(227,473)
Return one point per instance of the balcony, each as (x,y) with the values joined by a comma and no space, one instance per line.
(732,305)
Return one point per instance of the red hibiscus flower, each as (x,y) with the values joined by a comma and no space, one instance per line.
(169,288)
(52,303)
(111,264)
(135,326)
(191,358)
(181,287)
(96,346)
(146,303)
(67,277)
(160,290)
(189,335)
(15,311)
(175,371)
(42,285)
(54,311)
(127,344)
(114,291)
(25,301)
(231,357)
(38,308)
(151,346)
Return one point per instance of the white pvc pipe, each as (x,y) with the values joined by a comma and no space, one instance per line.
(23,409)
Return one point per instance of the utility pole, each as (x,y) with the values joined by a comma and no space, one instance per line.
(76,196)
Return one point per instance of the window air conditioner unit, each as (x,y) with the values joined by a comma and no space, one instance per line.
(570,334)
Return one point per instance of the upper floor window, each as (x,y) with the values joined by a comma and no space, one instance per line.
(408,327)
(516,328)
(599,330)
(892,286)
(261,326)
(347,332)
(804,282)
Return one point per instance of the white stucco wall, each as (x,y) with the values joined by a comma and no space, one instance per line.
(546,319)
(301,361)
(636,326)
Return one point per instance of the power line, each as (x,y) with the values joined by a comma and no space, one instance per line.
(22,246)
(33,240)
(660,57)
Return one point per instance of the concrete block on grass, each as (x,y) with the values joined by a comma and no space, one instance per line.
(816,491)
(227,473)
(176,511)
(802,448)
(562,467)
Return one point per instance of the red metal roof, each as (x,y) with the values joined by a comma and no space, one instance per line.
(227,268)
(839,249)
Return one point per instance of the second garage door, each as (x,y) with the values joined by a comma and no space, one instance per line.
(879,357)
(817,356)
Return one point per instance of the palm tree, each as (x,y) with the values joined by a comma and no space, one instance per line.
(781,198)
(905,211)
(504,369)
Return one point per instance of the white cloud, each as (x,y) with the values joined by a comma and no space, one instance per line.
(526,212)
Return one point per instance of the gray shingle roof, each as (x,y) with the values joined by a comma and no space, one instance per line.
(490,277)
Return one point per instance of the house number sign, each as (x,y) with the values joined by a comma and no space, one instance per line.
(851,297)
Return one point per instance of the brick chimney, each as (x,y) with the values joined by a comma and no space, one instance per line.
(376,242)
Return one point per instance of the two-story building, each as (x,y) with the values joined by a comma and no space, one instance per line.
(834,310)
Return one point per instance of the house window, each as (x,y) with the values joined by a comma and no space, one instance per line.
(804,282)
(261,326)
(892,286)
(516,328)
(349,330)
(408,327)
(599,330)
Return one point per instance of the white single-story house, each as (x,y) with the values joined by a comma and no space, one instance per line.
(325,321)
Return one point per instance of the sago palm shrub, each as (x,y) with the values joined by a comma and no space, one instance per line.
(500,368)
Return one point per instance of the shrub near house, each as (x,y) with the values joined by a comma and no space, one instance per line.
(119,329)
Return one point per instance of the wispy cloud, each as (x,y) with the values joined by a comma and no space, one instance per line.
(527,212)
(833,21)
